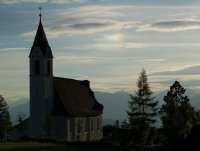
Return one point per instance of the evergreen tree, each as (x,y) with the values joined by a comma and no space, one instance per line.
(5,122)
(143,108)
(177,115)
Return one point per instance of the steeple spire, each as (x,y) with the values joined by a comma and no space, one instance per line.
(40,8)
(40,38)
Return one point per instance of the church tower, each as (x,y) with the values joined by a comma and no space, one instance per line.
(41,82)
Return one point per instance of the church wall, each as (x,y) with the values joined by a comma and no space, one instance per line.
(96,128)
(60,128)
(80,128)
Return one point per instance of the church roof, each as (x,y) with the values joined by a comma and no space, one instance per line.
(74,97)
(41,40)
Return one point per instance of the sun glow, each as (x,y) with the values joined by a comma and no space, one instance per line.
(116,37)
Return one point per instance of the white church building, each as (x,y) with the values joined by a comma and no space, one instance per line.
(60,108)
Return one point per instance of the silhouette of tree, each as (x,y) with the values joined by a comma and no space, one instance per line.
(125,124)
(5,122)
(177,115)
(142,109)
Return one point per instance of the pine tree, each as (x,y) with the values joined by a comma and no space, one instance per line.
(177,115)
(5,122)
(143,107)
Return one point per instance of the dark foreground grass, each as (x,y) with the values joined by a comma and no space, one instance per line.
(38,146)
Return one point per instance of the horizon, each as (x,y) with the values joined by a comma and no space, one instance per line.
(104,41)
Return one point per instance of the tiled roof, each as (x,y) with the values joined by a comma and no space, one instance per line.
(74,97)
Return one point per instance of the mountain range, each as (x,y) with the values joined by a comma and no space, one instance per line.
(115,105)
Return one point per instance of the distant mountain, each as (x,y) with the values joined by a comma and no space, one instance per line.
(115,105)
(13,103)
(195,101)
(18,106)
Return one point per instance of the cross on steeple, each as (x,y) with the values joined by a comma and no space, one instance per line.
(40,8)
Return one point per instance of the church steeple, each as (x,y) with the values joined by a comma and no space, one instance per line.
(41,82)
(41,41)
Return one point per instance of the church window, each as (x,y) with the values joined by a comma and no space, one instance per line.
(48,67)
(86,125)
(70,125)
(98,124)
(92,125)
(37,67)
(79,126)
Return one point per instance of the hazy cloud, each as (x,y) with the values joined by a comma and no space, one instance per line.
(67,1)
(151,60)
(84,28)
(171,25)
(13,49)
(188,70)
(94,11)
(79,59)
(40,1)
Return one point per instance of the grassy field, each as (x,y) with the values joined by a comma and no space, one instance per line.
(37,146)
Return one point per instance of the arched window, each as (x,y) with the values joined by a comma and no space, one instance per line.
(37,67)
(48,67)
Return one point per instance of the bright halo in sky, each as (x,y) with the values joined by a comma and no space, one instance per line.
(116,37)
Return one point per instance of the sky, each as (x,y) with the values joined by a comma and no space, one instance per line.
(107,42)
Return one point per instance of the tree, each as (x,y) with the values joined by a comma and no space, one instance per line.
(142,108)
(5,123)
(124,124)
(177,115)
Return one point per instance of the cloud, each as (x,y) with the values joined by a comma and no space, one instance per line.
(41,1)
(94,11)
(84,28)
(187,70)
(79,59)
(151,60)
(67,1)
(171,25)
(188,76)
(21,1)
(87,19)
(13,49)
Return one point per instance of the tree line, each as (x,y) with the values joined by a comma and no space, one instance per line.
(180,120)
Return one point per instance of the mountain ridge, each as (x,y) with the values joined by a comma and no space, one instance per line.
(115,104)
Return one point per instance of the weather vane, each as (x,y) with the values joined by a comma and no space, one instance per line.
(40,8)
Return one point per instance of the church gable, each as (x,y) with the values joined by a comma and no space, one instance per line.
(74,97)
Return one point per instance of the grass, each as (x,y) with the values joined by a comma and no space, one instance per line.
(38,146)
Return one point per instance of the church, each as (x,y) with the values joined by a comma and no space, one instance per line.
(60,108)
